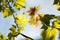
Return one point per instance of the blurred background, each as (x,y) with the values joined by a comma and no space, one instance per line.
(46,7)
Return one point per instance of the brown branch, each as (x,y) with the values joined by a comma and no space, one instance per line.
(26,36)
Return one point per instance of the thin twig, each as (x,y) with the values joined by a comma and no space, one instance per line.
(26,36)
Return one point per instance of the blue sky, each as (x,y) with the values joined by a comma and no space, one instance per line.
(46,6)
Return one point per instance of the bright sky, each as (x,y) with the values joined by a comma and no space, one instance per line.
(46,7)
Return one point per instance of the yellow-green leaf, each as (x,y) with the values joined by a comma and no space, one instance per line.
(21,20)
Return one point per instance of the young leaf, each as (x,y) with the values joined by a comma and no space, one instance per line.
(21,20)
(19,4)
(20,29)
(13,28)
(6,12)
(49,34)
